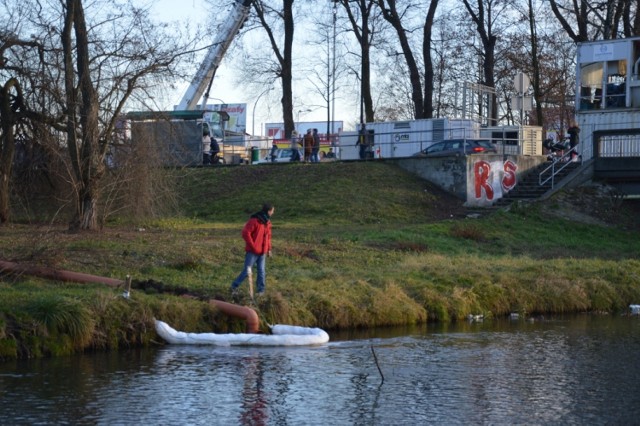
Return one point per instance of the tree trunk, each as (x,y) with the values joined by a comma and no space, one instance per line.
(489,79)
(7,145)
(365,69)
(286,70)
(283,57)
(88,215)
(535,63)
(365,87)
(579,11)
(428,63)
(362,33)
(489,40)
(390,13)
(635,27)
(86,155)
(6,163)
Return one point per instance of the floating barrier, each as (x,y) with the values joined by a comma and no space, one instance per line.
(282,335)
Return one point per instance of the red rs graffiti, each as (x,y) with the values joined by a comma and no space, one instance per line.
(509,179)
(481,171)
(482,178)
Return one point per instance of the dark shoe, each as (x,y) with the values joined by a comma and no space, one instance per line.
(234,292)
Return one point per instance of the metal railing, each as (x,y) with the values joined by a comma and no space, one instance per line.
(394,144)
(558,164)
(624,145)
(404,143)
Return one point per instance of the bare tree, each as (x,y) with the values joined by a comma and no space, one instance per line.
(326,69)
(393,100)
(551,79)
(557,80)
(485,15)
(268,16)
(631,18)
(450,64)
(83,131)
(92,67)
(14,112)
(524,55)
(422,100)
(10,106)
(360,16)
(535,63)
(428,63)
(585,20)
(577,13)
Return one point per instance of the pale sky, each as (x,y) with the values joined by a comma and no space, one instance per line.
(196,11)
(224,87)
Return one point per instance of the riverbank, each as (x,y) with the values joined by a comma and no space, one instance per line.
(355,245)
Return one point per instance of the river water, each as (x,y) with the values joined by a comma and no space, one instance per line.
(578,370)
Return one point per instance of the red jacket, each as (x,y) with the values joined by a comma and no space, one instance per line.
(257,236)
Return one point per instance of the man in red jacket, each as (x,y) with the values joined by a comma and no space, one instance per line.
(257,236)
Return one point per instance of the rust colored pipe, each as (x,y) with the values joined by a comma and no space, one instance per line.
(241,312)
(58,274)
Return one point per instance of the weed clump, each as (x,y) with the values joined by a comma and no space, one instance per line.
(469,231)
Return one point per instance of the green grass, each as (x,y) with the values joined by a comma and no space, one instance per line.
(355,245)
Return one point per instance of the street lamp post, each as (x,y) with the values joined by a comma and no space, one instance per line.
(298,117)
(253,113)
(224,104)
(333,71)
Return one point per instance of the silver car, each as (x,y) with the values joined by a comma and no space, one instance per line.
(282,155)
(457,148)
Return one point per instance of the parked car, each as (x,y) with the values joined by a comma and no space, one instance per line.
(457,147)
(283,155)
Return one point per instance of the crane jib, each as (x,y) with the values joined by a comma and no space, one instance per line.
(205,74)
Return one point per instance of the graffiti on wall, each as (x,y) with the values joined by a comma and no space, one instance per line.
(492,179)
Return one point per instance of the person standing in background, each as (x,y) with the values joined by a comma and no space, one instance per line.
(206,147)
(316,147)
(362,142)
(307,142)
(574,139)
(295,144)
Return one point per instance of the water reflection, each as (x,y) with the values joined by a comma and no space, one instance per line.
(254,398)
(557,371)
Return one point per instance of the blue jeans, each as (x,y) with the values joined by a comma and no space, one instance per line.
(363,151)
(251,259)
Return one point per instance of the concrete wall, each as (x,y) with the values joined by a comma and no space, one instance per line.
(449,173)
(480,180)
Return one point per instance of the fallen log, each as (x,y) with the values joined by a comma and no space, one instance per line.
(57,274)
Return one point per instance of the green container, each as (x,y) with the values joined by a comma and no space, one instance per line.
(255,154)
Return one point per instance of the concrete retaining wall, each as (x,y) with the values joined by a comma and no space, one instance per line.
(480,180)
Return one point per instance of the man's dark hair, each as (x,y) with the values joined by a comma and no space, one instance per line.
(266,207)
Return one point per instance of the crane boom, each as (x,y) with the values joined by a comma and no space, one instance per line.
(212,60)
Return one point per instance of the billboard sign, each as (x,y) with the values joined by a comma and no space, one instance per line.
(237,116)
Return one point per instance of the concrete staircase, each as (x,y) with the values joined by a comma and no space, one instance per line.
(528,187)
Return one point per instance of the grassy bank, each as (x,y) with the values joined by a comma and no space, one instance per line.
(355,245)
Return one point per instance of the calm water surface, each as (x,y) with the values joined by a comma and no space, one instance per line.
(582,370)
